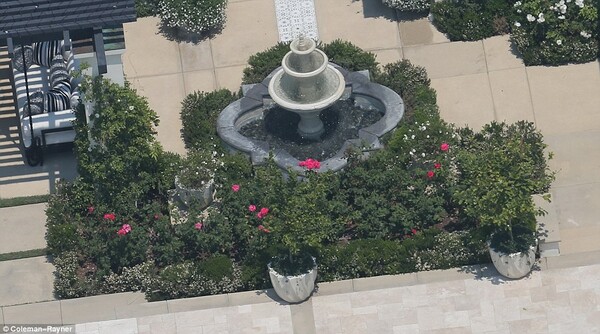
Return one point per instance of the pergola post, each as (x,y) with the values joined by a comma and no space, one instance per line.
(100,52)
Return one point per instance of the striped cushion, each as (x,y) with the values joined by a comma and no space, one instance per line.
(59,97)
(44,52)
(58,70)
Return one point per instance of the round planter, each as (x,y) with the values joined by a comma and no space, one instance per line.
(203,196)
(514,265)
(293,289)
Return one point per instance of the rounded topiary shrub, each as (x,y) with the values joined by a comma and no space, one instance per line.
(263,63)
(199,113)
(471,20)
(195,16)
(549,33)
(408,5)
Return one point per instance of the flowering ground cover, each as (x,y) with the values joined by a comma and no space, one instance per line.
(423,202)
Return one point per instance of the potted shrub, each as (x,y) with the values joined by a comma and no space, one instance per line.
(298,228)
(500,172)
(195,183)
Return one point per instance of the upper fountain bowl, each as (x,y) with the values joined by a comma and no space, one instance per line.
(306,81)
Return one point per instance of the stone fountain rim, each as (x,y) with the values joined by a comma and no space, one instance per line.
(307,107)
(357,82)
(293,73)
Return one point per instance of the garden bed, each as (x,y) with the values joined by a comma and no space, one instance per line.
(404,209)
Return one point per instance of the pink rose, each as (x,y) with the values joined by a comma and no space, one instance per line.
(252,207)
(264,211)
(110,216)
(430,174)
(444,147)
(310,164)
(121,232)
(198,226)
(437,165)
(126,228)
(91,210)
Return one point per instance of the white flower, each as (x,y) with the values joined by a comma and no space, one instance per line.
(412,137)
(561,17)
(541,18)
(423,155)
(559,42)
(97,115)
(517,24)
(130,107)
(585,34)
(518,3)
(530,18)
(519,11)
(579,3)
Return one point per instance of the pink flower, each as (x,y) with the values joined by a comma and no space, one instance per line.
(110,216)
(252,207)
(126,227)
(90,210)
(264,211)
(198,226)
(235,188)
(414,231)
(437,165)
(121,232)
(430,174)
(310,164)
(260,215)
(156,216)
(264,229)
(444,147)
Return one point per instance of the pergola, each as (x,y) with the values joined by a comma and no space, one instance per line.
(28,21)
(24,22)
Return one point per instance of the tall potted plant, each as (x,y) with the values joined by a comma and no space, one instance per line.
(300,227)
(500,171)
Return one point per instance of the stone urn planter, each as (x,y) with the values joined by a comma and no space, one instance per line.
(514,265)
(203,195)
(293,289)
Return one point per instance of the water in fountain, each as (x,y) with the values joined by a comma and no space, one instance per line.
(341,122)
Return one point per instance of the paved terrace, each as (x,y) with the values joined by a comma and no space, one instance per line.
(476,82)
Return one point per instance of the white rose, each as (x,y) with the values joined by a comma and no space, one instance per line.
(530,18)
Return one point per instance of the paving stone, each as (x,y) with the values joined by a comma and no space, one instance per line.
(510,92)
(124,326)
(165,93)
(36,313)
(500,54)
(572,167)
(230,77)
(382,282)
(564,97)
(15,220)
(245,35)
(197,303)
(97,308)
(387,56)
(336,287)
(139,310)
(448,59)
(195,56)
(420,32)
(457,102)
(151,55)
(26,281)
(303,318)
(367,24)
(199,81)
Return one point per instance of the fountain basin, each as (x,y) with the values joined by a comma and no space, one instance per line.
(257,99)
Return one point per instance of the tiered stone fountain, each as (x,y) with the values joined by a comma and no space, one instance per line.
(308,85)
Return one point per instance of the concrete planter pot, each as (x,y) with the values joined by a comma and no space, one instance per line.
(293,289)
(203,196)
(514,265)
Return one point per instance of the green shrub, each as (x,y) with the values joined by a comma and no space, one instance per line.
(350,56)
(188,279)
(145,8)
(197,16)
(471,20)
(409,5)
(549,33)
(263,63)
(450,250)
(69,280)
(504,167)
(130,279)
(199,114)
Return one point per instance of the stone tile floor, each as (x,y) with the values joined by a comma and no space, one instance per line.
(550,301)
